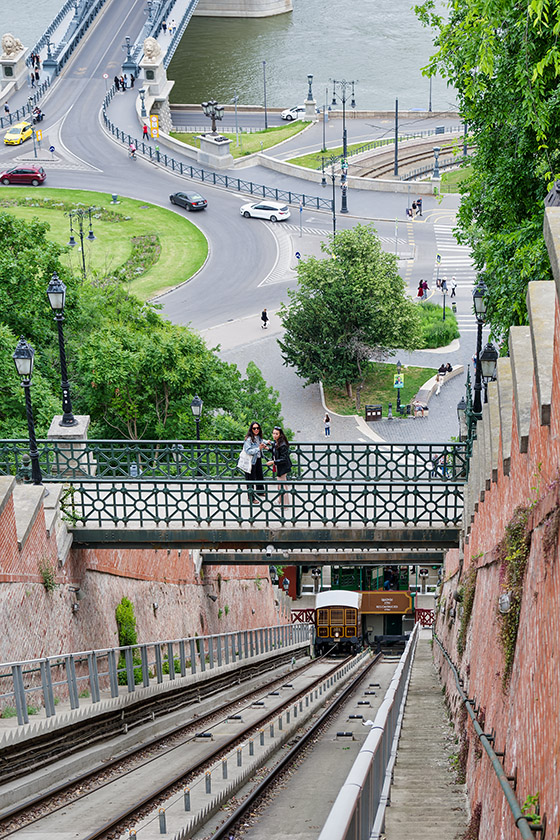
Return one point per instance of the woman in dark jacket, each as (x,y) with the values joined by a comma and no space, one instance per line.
(281,459)
(253,446)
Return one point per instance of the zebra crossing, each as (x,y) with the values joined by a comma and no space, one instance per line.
(386,240)
(456,261)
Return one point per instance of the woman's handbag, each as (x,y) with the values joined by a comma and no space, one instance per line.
(244,462)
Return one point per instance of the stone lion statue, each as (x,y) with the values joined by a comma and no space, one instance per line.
(152,49)
(11,46)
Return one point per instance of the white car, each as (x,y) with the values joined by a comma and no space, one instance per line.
(271,210)
(293,113)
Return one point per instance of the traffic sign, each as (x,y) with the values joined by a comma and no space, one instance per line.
(51,149)
(298,255)
(438,258)
(39,134)
(105,75)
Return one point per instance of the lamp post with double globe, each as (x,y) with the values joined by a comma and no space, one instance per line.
(56,293)
(479,304)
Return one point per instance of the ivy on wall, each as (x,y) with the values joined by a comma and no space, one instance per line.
(513,553)
(467,593)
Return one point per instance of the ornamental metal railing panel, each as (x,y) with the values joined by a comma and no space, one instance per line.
(86,677)
(173,503)
(149,459)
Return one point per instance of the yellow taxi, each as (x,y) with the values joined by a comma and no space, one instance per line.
(18,133)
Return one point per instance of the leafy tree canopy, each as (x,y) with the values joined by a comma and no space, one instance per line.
(131,370)
(349,307)
(504,60)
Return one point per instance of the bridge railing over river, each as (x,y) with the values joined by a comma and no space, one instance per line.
(62,460)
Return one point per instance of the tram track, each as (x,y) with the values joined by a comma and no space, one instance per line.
(31,813)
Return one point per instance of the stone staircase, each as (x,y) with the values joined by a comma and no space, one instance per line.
(28,500)
(426,801)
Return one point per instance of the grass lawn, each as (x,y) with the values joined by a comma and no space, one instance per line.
(249,143)
(157,247)
(378,388)
(450,180)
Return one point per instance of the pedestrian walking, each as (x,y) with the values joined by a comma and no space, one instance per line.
(164,26)
(413,209)
(453,286)
(420,293)
(439,383)
(327,422)
(157,152)
(280,461)
(444,284)
(265,319)
(173,27)
(419,206)
(117,82)
(125,77)
(37,76)
(6,108)
(32,79)
(145,132)
(123,83)
(132,80)
(253,446)
(425,288)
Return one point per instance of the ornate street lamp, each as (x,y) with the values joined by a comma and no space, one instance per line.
(143,112)
(309,83)
(488,364)
(479,303)
(56,293)
(462,417)
(436,150)
(343,86)
(196,408)
(331,160)
(264,84)
(214,111)
(398,389)
(23,359)
(77,217)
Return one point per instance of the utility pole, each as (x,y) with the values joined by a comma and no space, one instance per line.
(396,168)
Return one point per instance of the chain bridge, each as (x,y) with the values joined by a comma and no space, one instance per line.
(365,497)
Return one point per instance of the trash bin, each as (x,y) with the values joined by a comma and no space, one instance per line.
(373,412)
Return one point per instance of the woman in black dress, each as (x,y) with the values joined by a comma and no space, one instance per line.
(280,459)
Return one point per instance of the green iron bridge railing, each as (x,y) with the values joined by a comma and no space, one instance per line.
(203,502)
(217,460)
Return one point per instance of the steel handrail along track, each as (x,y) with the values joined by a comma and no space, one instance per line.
(286,760)
(226,745)
(252,671)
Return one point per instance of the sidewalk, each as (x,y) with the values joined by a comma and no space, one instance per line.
(426,800)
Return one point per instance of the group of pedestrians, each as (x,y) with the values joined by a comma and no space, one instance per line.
(444,286)
(443,370)
(415,210)
(255,445)
(35,71)
(170,27)
(122,82)
(423,290)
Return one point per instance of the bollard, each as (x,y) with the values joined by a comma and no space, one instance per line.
(224,768)
(239,756)
(251,747)
(187,799)
(262,737)
(162,822)
(271,730)
(287,716)
(208,780)
(280,722)
(295,711)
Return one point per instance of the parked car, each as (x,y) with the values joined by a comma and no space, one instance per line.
(271,210)
(189,200)
(27,174)
(17,133)
(293,113)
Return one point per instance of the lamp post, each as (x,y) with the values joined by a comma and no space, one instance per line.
(234,101)
(196,408)
(436,151)
(479,303)
(214,111)
(23,359)
(264,84)
(462,417)
(398,389)
(444,295)
(488,360)
(56,293)
(330,161)
(143,112)
(343,86)
(309,88)
(77,218)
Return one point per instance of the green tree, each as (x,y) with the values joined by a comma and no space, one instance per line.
(503,58)
(349,307)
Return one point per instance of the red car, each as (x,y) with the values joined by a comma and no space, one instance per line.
(33,175)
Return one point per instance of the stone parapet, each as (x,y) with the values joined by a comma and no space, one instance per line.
(243,8)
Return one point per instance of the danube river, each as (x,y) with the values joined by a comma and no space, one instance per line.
(378,43)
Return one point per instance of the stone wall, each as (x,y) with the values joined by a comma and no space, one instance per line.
(515,476)
(170,600)
(243,8)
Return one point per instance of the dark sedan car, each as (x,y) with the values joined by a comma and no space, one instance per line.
(34,175)
(189,200)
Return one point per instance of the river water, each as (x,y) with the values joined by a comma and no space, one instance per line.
(378,43)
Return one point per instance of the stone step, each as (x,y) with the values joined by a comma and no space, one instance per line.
(27,505)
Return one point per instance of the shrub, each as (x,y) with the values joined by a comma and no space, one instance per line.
(126,625)
(435,331)
(48,574)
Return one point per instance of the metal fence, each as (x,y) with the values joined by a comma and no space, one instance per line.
(217,179)
(149,459)
(25,111)
(353,815)
(83,676)
(106,503)
(446,163)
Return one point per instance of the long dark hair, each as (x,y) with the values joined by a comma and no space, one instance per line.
(250,433)
(281,438)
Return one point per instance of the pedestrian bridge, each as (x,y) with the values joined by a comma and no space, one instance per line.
(190,494)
